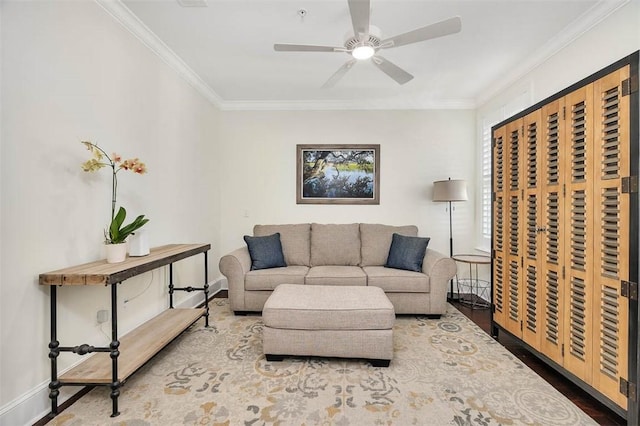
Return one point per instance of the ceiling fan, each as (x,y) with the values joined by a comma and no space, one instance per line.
(366,42)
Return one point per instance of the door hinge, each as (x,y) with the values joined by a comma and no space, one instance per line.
(493,253)
(521,327)
(562,350)
(564,189)
(630,85)
(522,194)
(522,262)
(629,290)
(628,389)
(563,272)
(564,113)
(629,184)
(493,197)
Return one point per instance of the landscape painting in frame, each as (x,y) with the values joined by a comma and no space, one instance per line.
(338,174)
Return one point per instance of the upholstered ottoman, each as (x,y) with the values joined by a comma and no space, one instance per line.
(331,321)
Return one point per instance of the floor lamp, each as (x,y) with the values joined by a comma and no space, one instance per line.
(450,191)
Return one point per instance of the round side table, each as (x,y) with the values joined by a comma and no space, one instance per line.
(475,292)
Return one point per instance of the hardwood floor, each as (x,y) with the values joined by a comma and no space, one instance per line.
(588,404)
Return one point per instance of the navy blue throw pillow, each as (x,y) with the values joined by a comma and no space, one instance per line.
(265,252)
(407,252)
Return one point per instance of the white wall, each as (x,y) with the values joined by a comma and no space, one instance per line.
(258,168)
(69,73)
(605,43)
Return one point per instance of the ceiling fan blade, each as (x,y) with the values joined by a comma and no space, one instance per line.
(339,74)
(439,29)
(391,69)
(360,14)
(306,48)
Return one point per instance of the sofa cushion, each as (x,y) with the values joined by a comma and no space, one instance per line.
(336,275)
(407,252)
(376,241)
(397,280)
(268,279)
(335,244)
(265,252)
(295,239)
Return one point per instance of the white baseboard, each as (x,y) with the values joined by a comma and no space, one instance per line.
(35,404)
(198,297)
(224,283)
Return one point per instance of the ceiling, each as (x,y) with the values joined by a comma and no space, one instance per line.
(226,48)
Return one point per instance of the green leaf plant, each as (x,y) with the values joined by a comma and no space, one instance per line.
(118,233)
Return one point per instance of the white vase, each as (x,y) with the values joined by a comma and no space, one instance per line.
(116,253)
(138,243)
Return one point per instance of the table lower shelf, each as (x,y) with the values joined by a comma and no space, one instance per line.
(136,348)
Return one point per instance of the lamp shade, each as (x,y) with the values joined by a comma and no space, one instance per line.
(450,190)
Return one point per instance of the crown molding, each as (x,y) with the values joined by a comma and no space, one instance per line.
(135,26)
(596,14)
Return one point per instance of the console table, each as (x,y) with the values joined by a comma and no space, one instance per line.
(112,365)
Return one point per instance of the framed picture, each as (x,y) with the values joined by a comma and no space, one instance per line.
(338,174)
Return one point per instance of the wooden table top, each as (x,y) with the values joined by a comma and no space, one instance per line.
(102,273)
(480,259)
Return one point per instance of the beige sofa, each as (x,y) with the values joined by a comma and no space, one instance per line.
(339,254)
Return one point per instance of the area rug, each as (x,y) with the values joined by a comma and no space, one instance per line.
(444,372)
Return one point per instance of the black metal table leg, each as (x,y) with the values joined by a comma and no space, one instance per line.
(115,353)
(54,352)
(206,291)
(171,286)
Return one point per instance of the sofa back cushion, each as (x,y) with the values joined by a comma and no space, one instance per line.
(295,240)
(376,241)
(335,244)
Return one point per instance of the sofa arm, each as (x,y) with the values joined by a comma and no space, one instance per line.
(234,266)
(441,269)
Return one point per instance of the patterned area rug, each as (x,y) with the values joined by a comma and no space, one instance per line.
(444,372)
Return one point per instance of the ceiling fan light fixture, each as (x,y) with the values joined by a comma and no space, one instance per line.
(363,52)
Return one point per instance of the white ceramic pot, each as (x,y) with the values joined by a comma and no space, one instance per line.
(138,243)
(116,253)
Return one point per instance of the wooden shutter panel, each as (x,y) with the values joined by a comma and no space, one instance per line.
(498,206)
(579,231)
(550,308)
(532,283)
(611,235)
(514,208)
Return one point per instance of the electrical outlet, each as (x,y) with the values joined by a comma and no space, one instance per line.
(102,316)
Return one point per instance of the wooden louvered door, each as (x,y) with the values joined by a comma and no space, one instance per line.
(550,310)
(499,237)
(611,235)
(532,206)
(514,226)
(578,228)
(564,236)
